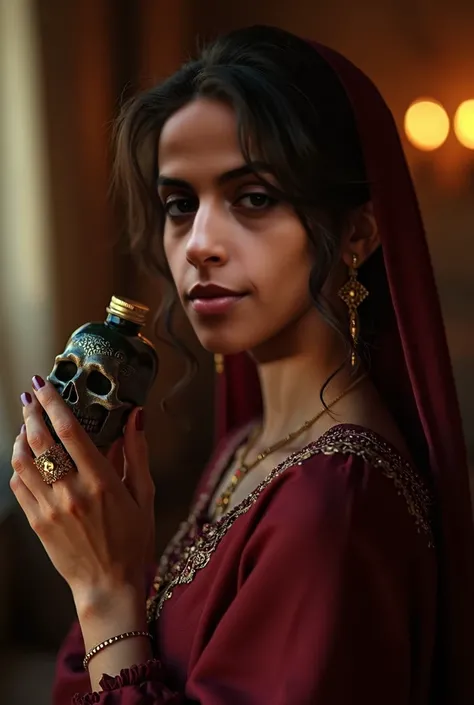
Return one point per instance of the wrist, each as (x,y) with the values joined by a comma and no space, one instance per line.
(99,603)
(105,615)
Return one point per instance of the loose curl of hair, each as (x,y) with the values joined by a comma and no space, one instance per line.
(292,109)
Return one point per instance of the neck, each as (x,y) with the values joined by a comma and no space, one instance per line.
(292,380)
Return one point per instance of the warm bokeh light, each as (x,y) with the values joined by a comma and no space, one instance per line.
(464,124)
(426,124)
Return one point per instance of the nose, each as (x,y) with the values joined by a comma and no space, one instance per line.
(206,244)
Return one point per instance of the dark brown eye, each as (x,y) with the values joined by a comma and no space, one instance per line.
(66,370)
(176,207)
(256,201)
(98,383)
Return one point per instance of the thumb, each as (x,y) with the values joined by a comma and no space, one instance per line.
(137,476)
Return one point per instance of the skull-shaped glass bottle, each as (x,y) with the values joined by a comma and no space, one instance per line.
(106,370)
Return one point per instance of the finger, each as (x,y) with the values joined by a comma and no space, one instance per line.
(25,498)
(87,458)
(40,439)
(25,469)
(37,433)
(137,473)
(23,430)
(115,456)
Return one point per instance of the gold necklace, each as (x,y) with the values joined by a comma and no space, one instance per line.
(244,468)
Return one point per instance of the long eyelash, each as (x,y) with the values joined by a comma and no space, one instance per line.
(168,204)
(270,200)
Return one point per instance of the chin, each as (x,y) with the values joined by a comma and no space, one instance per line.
(263,346)
(220,347)
(217,342)
(236,334)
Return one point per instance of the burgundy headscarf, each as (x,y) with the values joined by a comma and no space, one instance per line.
(411,369)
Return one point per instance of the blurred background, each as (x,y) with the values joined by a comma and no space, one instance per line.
(64,68)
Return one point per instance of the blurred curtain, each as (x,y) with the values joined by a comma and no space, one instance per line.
(27,308)
(64,247)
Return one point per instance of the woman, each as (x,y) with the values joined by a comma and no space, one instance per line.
(328,554)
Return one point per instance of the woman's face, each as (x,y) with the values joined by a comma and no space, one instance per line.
(240,260)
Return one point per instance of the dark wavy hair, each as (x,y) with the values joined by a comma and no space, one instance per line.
(291,105)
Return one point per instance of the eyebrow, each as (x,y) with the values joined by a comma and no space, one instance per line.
(232,175)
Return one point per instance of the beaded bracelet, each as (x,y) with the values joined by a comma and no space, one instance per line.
(113,640)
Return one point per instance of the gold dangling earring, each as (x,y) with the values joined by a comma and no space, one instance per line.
(353,294)
(219,363)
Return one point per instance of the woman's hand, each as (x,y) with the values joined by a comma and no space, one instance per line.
(94,525)
(116,456)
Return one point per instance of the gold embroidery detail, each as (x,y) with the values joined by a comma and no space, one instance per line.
(192,547)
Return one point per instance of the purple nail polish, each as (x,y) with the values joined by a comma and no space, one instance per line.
(38,382)
(23,428)
(26,398)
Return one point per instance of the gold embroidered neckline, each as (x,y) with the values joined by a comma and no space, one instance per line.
(342,438)
(196,540)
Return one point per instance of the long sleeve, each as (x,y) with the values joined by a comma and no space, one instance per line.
(70,676)
(140,684)
(323,612)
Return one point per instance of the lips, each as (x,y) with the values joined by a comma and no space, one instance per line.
(216,306)
(212,291)
(213,299)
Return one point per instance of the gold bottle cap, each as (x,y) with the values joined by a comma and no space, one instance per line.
(128,310)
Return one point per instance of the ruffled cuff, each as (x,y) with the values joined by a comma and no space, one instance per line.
(150,671)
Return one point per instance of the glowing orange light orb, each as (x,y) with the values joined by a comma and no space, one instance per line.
(426,124)
(464,124)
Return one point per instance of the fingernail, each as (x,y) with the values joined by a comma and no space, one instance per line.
(26,398)
(38,382)
(140,420)
(23,428)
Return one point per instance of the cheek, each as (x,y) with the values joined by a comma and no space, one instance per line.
(285,278)
(174,257)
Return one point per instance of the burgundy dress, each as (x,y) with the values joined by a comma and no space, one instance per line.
(324,586)
(319,588)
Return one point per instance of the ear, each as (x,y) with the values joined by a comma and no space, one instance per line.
(362,235)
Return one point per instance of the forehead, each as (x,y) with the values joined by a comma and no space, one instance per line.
(202,135)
